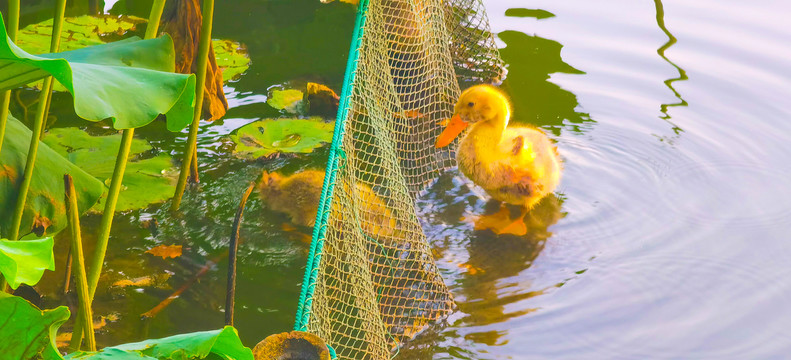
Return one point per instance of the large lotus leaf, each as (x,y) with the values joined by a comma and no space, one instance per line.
(231,57)
(45,209)
(223,344)
(88,30)
(24,261)
(272,136)
(28,332)
(147,179)
(130,81)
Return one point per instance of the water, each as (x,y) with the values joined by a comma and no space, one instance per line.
(667,238)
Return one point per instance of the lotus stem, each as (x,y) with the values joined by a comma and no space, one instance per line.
(73,213)
(112,196)
(200,73)
(233,247)
(13,26)
(41,114)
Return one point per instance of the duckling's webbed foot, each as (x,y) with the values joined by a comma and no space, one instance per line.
(501,222)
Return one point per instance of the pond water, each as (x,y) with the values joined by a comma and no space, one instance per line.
(668,237)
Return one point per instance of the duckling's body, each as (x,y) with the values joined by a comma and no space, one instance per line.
(516,165)
(298,195)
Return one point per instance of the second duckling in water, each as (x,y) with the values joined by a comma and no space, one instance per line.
(298,195)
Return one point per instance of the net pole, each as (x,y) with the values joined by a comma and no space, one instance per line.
(322,216)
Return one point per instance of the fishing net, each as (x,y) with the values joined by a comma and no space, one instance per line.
(371,282)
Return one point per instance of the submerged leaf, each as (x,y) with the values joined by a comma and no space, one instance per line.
(45,209)
(165,251)
(130,81)
(271,136)
(289,100)
(27,331)
(24,261)
(216,344)
(146,179)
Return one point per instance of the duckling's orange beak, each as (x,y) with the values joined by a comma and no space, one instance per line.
(454,128)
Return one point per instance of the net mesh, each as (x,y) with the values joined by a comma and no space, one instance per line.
(373,281)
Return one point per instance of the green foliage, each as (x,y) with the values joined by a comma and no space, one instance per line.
(289,100)
(24,261)
(146,180)
(129,81)
(45,210)
(78,32)
(27,331)
(273,136)
(88,30)
(222,344)
(231,57)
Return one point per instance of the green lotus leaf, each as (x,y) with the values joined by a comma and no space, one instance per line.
(130,81)
(24,261)
(231,57)
(289,100)
(267,137)
(45,209)
(219,344)
(147,179)
(27,331)
(88,30)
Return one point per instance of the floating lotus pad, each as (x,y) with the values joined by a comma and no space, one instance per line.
(146,181)
(289,100)
(231,57)
(268,137)
(78,32)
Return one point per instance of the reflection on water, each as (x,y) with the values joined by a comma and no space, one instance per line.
(536,100)
(682,75)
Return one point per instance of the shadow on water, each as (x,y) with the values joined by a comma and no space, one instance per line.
(682,75)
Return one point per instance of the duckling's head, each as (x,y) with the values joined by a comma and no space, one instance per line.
(478,104)
(269,186)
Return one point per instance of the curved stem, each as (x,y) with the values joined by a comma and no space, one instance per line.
(200,73)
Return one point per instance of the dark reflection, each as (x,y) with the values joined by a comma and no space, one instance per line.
(682,75)
(536,100)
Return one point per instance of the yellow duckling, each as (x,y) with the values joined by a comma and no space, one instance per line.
(298,195)
(516,165)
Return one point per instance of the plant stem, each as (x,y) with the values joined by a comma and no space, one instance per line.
(13,26)
(41,114)
(112,196)
(73,213)
(233,247)
(200,73)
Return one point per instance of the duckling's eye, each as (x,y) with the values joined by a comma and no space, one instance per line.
(470,104)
